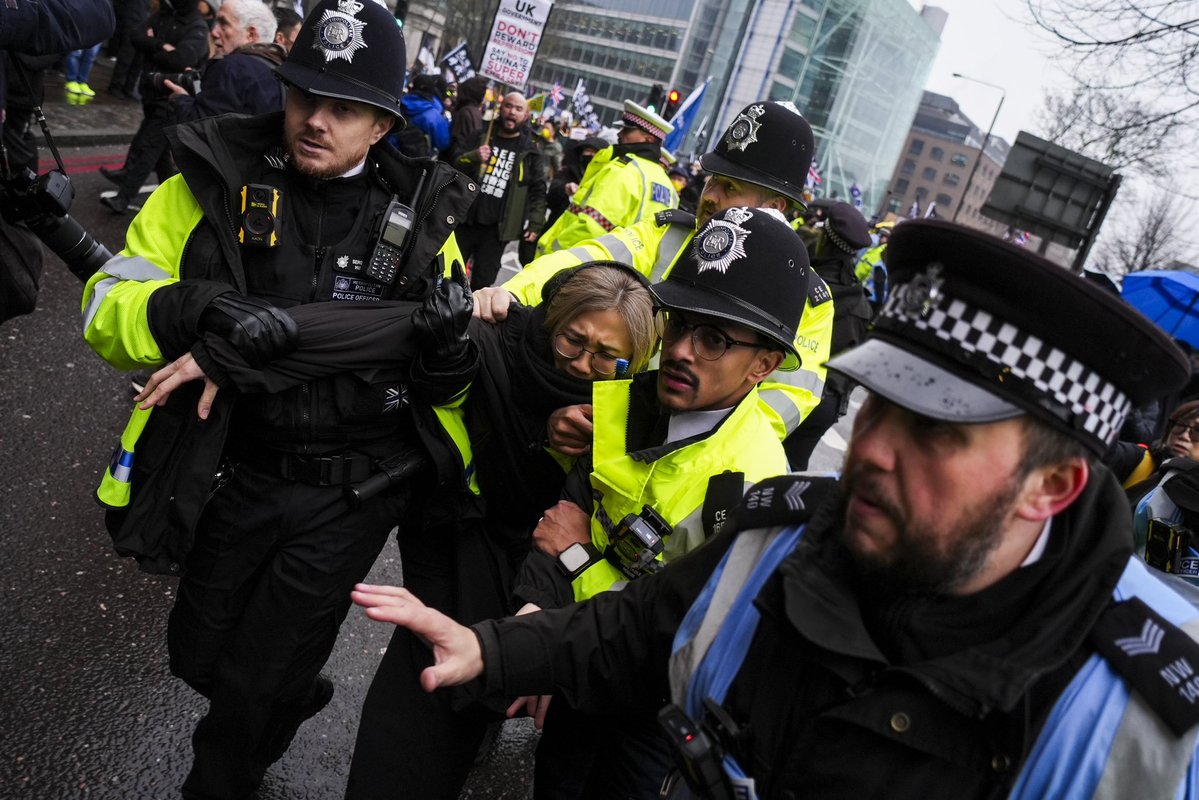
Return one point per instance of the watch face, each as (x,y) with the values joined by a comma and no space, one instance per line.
(574,557)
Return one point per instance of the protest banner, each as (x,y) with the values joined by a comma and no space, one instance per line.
(515,37)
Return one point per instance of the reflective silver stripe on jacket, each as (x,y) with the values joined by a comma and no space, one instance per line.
(121,268)
(669,248)
(744,554)
(1147,759)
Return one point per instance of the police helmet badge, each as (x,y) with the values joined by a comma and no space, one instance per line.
(744,130)
(923,293)
(723,241)
(339,33)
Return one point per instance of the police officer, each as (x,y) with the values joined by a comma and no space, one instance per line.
(761,161)
(838,239)
(961,616)
(247,501)
(623,185)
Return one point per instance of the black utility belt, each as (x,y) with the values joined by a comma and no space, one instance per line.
(327,470)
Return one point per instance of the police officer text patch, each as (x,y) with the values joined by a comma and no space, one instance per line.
(1156,658)
(661,194)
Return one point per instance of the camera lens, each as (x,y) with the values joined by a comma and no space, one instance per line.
(258,196)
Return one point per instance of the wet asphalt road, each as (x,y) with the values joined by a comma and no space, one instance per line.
(87,706)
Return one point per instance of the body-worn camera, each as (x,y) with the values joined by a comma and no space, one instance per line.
(259,215)
(1172,548)
(698,756)
(152,82)
(636,542)
(42,202)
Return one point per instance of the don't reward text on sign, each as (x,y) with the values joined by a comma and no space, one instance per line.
(515,37)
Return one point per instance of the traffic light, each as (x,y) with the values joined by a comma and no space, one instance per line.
(673,98)
(401,12)
(656,96)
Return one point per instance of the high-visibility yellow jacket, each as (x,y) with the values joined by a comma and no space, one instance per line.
(616,191)
(672,478)
(652,247)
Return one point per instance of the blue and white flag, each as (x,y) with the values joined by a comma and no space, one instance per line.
(685,116)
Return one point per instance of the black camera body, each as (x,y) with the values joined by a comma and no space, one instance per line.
(152,82)
(41,202)
(636,542)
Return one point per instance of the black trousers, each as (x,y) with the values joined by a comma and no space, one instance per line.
(266,589)
(412,743)
(148,150)
(591,757)
(483,244)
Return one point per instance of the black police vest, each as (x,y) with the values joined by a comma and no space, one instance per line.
(316,262)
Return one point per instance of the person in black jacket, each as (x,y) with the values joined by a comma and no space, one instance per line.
(511,205)
(173,40)
(30,31)
(575,158)
(241,79)
(833,255)
(245,499)
(959,615)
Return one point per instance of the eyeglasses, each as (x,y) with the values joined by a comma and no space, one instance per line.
(1180,428)
(709,342)
(569,347)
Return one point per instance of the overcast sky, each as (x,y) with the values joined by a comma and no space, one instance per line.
(990,41)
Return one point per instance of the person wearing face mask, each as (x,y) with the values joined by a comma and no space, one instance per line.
(575,158)
(761,160)
(624,184)
(596,325)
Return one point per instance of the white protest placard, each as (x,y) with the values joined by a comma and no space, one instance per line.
(515,37)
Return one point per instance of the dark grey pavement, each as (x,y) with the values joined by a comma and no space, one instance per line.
(79,122)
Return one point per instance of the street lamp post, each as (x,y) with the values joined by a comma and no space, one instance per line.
(986,139)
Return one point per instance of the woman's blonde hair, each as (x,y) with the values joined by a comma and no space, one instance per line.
(608,286)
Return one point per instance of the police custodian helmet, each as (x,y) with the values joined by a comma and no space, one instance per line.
(769,144)
(350,49)
(747,266)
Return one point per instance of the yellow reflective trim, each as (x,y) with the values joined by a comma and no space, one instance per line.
(114,491)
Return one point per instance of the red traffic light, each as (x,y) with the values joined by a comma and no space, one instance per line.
(672,103)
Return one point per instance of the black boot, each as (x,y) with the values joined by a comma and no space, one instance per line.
(117,176)
(116,204)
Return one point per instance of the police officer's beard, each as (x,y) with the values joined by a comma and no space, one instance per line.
(341,164)
(927,557)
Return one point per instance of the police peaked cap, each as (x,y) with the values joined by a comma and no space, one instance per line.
(980,330)
(747,266)
(846,228)
(768,144)
(349,49)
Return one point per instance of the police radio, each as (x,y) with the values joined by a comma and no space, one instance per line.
(259,215)
(393,232)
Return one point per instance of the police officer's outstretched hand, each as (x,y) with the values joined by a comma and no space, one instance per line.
(457,654)
(441,322)
(258,330)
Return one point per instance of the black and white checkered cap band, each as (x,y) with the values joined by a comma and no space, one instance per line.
(1098,406)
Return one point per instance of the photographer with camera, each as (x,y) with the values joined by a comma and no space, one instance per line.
(35,29)
(174,39)
(241,77)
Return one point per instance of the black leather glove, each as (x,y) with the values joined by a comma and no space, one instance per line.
(441,322)
(258,330)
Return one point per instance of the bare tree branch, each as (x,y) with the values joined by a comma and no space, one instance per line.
(1146,236)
